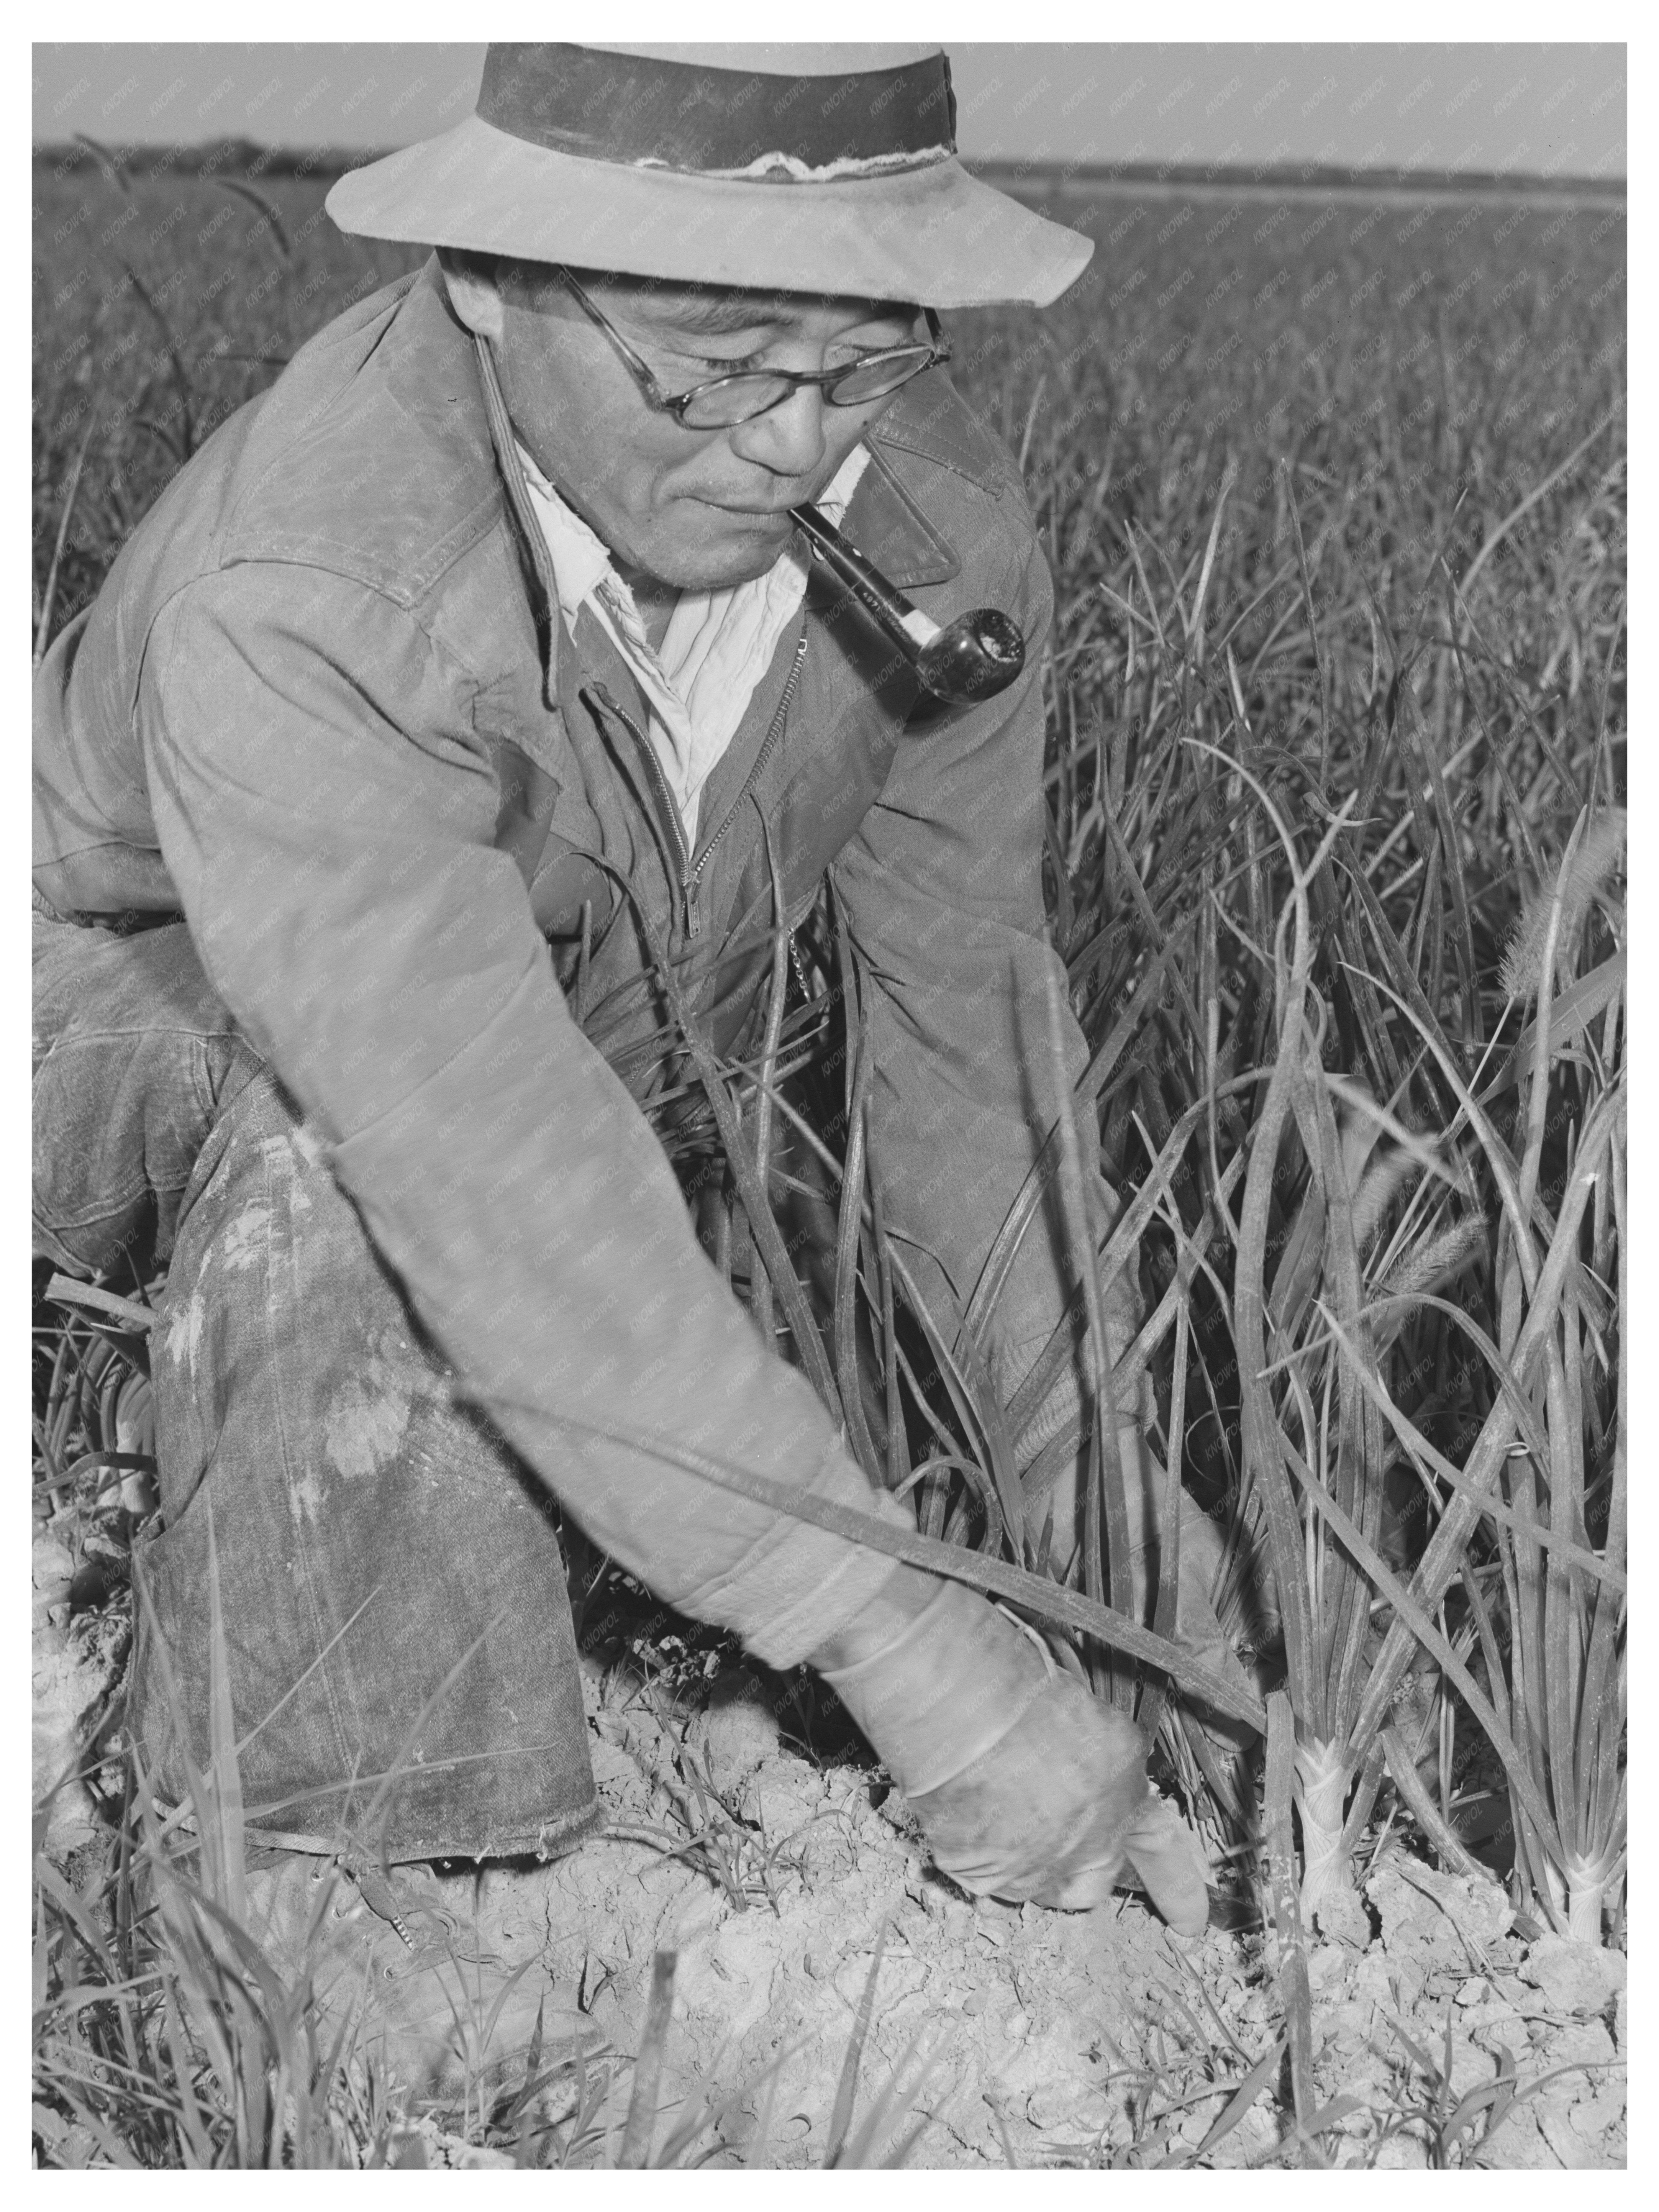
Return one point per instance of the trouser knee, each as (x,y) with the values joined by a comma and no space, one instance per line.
(134,1057)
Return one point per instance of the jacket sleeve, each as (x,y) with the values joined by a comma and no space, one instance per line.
(943,889)
(327,813)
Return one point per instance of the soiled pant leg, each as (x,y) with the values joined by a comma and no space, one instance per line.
(380,1551)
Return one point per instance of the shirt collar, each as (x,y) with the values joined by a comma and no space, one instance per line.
(581,561)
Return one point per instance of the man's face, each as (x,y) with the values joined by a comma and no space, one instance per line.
(696,509)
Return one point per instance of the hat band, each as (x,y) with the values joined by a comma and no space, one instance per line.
(640,111)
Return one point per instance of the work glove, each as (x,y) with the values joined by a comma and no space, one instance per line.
(1026,1785)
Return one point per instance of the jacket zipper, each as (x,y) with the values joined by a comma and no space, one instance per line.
(695,875)
(690,876)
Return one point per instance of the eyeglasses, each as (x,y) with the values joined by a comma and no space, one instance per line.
(724,401)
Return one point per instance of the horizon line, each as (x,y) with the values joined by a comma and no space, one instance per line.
(284,159)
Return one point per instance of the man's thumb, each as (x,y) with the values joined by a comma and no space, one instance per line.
(1167,1863)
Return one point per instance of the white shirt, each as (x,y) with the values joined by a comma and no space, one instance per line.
(718,645)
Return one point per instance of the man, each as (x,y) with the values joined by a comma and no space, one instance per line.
(463,681)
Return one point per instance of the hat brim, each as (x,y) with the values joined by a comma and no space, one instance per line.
(932,235)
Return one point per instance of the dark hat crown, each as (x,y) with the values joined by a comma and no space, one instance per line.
(667,110)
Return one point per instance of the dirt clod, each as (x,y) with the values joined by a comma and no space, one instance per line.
(1574,1978)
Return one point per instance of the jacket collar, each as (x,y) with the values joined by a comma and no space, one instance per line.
(891,531)
(533,546)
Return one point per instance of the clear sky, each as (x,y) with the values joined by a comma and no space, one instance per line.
(1542,110)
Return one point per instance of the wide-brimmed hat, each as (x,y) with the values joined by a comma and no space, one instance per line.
(803,169)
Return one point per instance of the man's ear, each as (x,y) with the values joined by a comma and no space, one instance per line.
(470,281)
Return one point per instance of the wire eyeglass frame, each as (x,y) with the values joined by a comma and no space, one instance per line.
(913,361)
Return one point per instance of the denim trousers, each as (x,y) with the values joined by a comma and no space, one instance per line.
(401,1659)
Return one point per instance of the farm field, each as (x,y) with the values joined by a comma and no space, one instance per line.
(1334,499)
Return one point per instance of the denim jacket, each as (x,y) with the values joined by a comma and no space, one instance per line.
(325,708)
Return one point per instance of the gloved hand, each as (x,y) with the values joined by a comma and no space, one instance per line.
(1061,1812)
(1026,1786)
